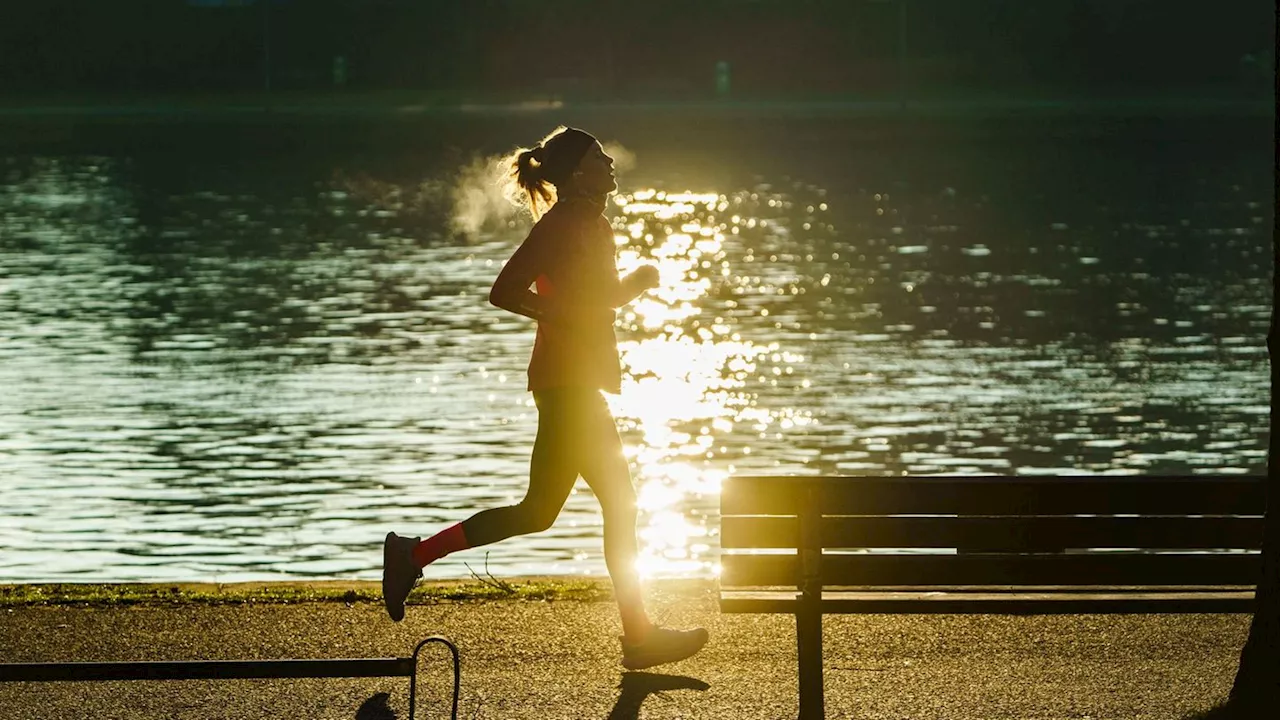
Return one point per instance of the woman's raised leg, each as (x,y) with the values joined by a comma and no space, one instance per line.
(553,469)
(552,472)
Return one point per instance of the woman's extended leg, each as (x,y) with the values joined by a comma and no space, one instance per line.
(605,469)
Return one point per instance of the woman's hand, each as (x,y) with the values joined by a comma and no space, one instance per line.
(634,285)
(647,277)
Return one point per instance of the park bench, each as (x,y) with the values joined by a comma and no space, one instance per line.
(238,670)
(984,545)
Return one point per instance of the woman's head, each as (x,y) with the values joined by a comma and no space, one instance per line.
(567,162)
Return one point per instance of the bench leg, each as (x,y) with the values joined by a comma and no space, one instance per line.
(809,652)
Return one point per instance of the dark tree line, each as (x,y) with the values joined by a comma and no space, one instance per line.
(617,48)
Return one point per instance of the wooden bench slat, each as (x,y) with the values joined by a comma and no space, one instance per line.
(1102,568)
(999,532)
(1000,495)
(1018,602)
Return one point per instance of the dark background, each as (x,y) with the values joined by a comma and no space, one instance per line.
(616,49)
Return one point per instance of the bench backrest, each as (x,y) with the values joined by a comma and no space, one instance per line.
(958,531)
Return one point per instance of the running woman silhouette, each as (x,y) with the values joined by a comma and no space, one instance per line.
(569,256)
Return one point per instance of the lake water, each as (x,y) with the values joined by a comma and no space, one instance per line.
(235,353)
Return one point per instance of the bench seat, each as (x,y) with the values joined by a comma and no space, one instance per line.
(816,545)
(997,600)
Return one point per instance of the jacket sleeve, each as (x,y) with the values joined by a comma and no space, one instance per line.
(511,288)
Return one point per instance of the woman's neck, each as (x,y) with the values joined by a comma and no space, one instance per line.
(597,202)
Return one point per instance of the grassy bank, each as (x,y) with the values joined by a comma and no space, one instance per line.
(163,594)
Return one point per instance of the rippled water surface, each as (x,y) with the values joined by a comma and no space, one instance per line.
(229,365)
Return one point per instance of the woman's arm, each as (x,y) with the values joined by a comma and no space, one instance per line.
(511,289)
(634,285)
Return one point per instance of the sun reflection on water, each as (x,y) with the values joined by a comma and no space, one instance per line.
(685,373)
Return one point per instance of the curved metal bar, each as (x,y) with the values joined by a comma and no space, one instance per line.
(457,674)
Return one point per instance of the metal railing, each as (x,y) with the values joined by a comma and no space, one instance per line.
(239,670)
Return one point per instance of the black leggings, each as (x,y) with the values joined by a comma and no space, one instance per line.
(576,436)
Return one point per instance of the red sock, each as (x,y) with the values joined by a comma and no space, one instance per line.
(449,540)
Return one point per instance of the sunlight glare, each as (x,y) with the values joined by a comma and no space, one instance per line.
(684,374)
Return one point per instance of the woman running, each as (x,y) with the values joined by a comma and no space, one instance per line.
(569,256)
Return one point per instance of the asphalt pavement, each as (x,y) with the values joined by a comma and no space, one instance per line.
(560,659)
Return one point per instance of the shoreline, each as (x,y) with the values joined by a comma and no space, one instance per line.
(407,106)
(427,592)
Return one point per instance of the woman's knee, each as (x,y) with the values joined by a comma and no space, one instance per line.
(618,503)
(536,517)
(611,482)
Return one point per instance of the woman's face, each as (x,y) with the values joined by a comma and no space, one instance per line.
(594,175)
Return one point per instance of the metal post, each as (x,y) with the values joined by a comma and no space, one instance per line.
(240,670)
(809,614)
(457,674)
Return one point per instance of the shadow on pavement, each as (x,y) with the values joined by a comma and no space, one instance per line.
(636,686)
(376,708)
(1233,711)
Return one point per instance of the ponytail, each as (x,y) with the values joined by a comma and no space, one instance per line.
(528,184)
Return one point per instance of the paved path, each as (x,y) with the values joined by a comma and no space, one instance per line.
(560,660)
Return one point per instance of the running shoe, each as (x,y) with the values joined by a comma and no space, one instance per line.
(399,573)
(662,646)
